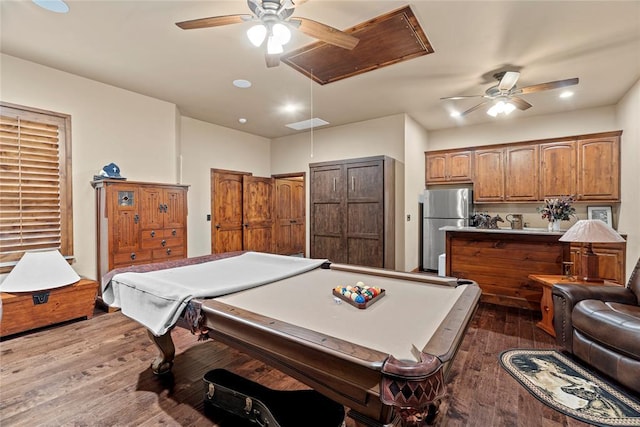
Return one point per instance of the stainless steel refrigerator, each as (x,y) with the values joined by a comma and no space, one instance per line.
(440,208)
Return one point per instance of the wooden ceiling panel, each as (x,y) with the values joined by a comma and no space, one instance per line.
(385,40)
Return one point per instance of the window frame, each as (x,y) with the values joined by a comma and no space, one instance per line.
(65,187)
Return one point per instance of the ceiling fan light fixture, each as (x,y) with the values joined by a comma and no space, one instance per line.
(281,33)
(257,34)
(501,107)
(273,47)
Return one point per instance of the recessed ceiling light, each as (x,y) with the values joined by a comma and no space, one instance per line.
(57,6)
(455,114)
(566,94)
(241,83)
(307,124)
(290,108)
(242,120)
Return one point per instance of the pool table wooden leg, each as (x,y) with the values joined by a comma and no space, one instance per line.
(163,363)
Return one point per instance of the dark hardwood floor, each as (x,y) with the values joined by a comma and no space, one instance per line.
(95,373)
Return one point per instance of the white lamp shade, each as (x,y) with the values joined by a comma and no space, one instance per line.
(38,271)
(591,231)
(256,34)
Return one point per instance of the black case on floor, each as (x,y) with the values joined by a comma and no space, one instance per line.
(263,406)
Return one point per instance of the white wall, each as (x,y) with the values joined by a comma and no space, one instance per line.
(206,146)
(108,125)
(628,118)
(383,136)
(416,143)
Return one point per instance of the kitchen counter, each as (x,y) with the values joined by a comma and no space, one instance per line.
(526,230)
(501,260)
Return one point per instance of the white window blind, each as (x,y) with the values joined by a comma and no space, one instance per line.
(35,182)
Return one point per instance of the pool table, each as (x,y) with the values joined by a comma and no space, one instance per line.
(298,326)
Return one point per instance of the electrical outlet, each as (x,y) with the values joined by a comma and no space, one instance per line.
(208,217)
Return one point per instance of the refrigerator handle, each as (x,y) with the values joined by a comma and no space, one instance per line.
(334,184)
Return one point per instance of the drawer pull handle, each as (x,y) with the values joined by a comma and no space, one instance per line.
(136,218)
(174,232)
(164,243)
(168,251)
(153,233)
(133,255)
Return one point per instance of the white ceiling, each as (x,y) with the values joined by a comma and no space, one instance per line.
(136,46)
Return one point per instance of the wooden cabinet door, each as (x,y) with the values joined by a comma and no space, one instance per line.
(489,175)
(125,217)
(175,207)
(258,213)
(599,169)
(436,168)
(151,208)
(328,212)
(557,169)
(611,260)
(521,173)
(290,215)
(365,213)
(459,166)
(226,211)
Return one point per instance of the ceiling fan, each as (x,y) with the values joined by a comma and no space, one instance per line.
(273,20)
(505,96)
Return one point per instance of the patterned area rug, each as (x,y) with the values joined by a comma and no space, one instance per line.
(568,388)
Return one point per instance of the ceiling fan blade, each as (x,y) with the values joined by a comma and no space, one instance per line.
(508,80)
(472,109)
(272,60)
(547,86)
(214,21)
(463,97)
(326,33)
(520,103)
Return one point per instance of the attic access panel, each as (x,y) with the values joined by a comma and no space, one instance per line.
(384,40)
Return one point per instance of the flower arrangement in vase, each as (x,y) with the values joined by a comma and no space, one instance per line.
(556,210)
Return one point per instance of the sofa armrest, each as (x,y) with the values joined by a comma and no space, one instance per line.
(566,296)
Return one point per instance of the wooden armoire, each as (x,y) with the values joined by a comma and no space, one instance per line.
(352,211)
(139,223)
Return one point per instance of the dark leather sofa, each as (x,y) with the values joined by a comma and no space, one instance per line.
(601,326)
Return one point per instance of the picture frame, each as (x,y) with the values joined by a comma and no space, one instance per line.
(603,213)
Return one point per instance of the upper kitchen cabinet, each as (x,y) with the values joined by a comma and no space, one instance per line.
(488,183)
(521,173)
(557,169)
(599,168)
(449,167)
(584,166)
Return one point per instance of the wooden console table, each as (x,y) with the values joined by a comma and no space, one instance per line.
(546,303)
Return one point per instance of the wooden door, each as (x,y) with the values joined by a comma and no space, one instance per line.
(599,169)
(258,213)
(328,212)
(125,214)
(521,173)
(290,215)
(151,208)
(557,169)
(436,169)
(365,213)
(459,167)
(226,211)
(175,207)
(489,175)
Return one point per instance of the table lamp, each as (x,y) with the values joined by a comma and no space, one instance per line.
(39,270)
(591,231)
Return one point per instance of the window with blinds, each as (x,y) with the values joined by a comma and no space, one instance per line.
(35,183)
